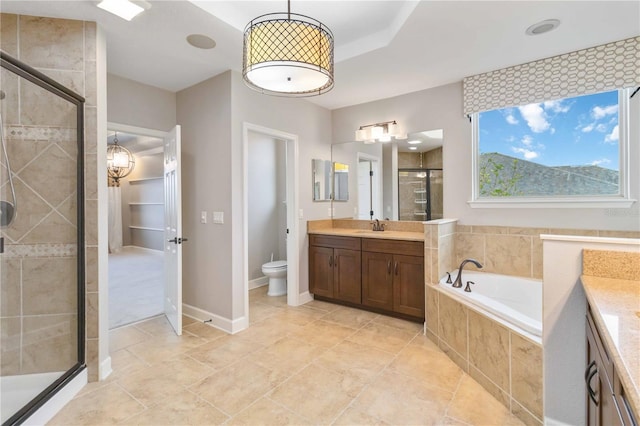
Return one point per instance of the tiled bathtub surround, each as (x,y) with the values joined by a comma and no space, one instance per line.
(40,258)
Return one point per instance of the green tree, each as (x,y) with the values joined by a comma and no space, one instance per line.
(496,180)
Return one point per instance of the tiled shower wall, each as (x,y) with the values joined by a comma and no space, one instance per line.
(40,311)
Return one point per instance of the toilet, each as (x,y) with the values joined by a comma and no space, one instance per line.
(277,273)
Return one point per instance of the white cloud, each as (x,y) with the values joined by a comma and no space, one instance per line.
(613,136)
(600,161)
(588,127)
(526,153)
(599,112)
(511,119)
(601,128)
(535,117)
(527,140)
(557,106)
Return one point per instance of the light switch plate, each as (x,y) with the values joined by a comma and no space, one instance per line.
(301,214)
(203,216)
(218,217)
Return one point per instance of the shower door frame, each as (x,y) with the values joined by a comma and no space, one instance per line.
(36,77)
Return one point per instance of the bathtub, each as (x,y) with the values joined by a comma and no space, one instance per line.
(17,391)
(514,300)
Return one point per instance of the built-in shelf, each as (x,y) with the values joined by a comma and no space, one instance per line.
(419,191)
(421,201)
(145,228)
(419,213)
(145,179)
(146,204)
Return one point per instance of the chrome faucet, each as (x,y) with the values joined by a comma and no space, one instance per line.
(458,281)
(377,226)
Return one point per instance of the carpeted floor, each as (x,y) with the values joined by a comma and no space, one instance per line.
(136,285)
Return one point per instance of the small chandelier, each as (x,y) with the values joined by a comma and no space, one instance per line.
(382,132)
(287,54)
(120,161)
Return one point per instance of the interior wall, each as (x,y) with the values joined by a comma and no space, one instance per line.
(441,108)
(266,202)
(137,104)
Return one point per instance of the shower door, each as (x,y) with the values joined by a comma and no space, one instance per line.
(42,232)
(420,194)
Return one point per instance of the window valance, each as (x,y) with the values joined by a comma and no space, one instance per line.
(610,66)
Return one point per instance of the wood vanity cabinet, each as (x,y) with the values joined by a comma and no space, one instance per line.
(606,403)
(335,267)
(393,276)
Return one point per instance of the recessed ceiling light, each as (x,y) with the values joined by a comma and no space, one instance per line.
(543,27)
(414,142)
(413,148)
(201,41)
(125,9)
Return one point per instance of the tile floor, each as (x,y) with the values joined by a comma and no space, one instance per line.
(315,364)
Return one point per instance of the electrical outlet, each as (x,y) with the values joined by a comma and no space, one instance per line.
(301,214)
(203,216)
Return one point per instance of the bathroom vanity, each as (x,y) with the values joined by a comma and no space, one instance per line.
(378,271)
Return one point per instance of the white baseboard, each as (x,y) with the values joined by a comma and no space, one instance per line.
(105,368)
(224,324)
(305,297)
(58,401)
(258,282)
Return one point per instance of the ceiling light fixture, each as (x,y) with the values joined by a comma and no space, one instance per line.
(287,54)
(125,9)
(414,142)
(543,27)
(413,148)
(201,41)
(120,161)
(382,132)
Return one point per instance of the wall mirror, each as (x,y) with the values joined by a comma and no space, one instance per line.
(340,181)
(398,180)
(321,171)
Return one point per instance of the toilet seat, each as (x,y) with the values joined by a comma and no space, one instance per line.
(276,264)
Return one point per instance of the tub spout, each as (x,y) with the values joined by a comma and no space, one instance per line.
(458,281)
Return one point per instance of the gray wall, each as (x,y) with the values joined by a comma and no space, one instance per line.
(140,105)
(441,108)
(266,200)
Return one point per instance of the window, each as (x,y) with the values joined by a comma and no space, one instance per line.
(564,150)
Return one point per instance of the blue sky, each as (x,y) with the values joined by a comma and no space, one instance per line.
(566,132)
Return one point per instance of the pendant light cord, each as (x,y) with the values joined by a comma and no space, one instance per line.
(289,9)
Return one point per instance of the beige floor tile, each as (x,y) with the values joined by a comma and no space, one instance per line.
(225,351)
(317,394)
(474,405)
(267,413)
(183,409)
(236,387)
(350,317)
(108,405)
(260,295)
(322,306)
(126,336)
(150,387)
(161,348)
(157,326)
(286,356)
(362,362)
(269,330)
(204,331)
(409,326)
(382,337)
(298,316)
(323,333)
(260,311)
(432,367)
(188,320)
(401,400)
(355,417)
(424,342)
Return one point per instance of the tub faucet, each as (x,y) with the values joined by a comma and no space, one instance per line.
(377,226)
(458,281)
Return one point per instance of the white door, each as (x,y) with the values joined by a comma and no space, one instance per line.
(173,238)
(364,190)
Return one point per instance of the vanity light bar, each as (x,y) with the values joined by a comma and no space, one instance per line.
(383,132)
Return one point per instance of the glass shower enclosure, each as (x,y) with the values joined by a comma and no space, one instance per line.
(41,238)
(420,194)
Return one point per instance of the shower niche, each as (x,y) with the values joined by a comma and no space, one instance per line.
(42,230)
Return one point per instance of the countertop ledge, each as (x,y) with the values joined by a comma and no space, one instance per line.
(367,233)
(615,305)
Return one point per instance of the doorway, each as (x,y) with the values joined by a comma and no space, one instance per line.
(283,211)
(369,187)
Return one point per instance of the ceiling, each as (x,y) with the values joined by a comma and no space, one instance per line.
(383,48)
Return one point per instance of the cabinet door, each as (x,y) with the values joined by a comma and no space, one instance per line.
(591,381)
(408,285)
(347,285)
(377,280)
(321,271)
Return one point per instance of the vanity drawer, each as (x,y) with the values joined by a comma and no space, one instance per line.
(407,248)
(349,243)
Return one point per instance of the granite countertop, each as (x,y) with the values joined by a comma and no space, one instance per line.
(615,304)
(367,233)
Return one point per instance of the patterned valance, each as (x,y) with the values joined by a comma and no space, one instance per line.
(596,69)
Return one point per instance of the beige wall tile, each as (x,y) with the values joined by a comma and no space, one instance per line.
(91,358)
(528,231)
(508,255)
(490,229)
(90,130)
(22,151)
(49,343)
(91,222)
(578,232)
(73,80)
(92,315)
(427,236)
(619,234)
(39,107)
(434,261)
(52,175)
(49,285)
(536,257)
(90,83)
(11,288)
(91,271)
(432,337)
(489,348)
(446,260)
(453,324)
(9,34)
(434,235)
(32,210)
(499,394)
(89,41)
(10,335)
(52,43)
(54,229)
(460,361)
(526,417)
(469,246)
(69,210)
(9,106)
(431,311)
(526,374)
(462,229)
(91,177)
(446,228)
